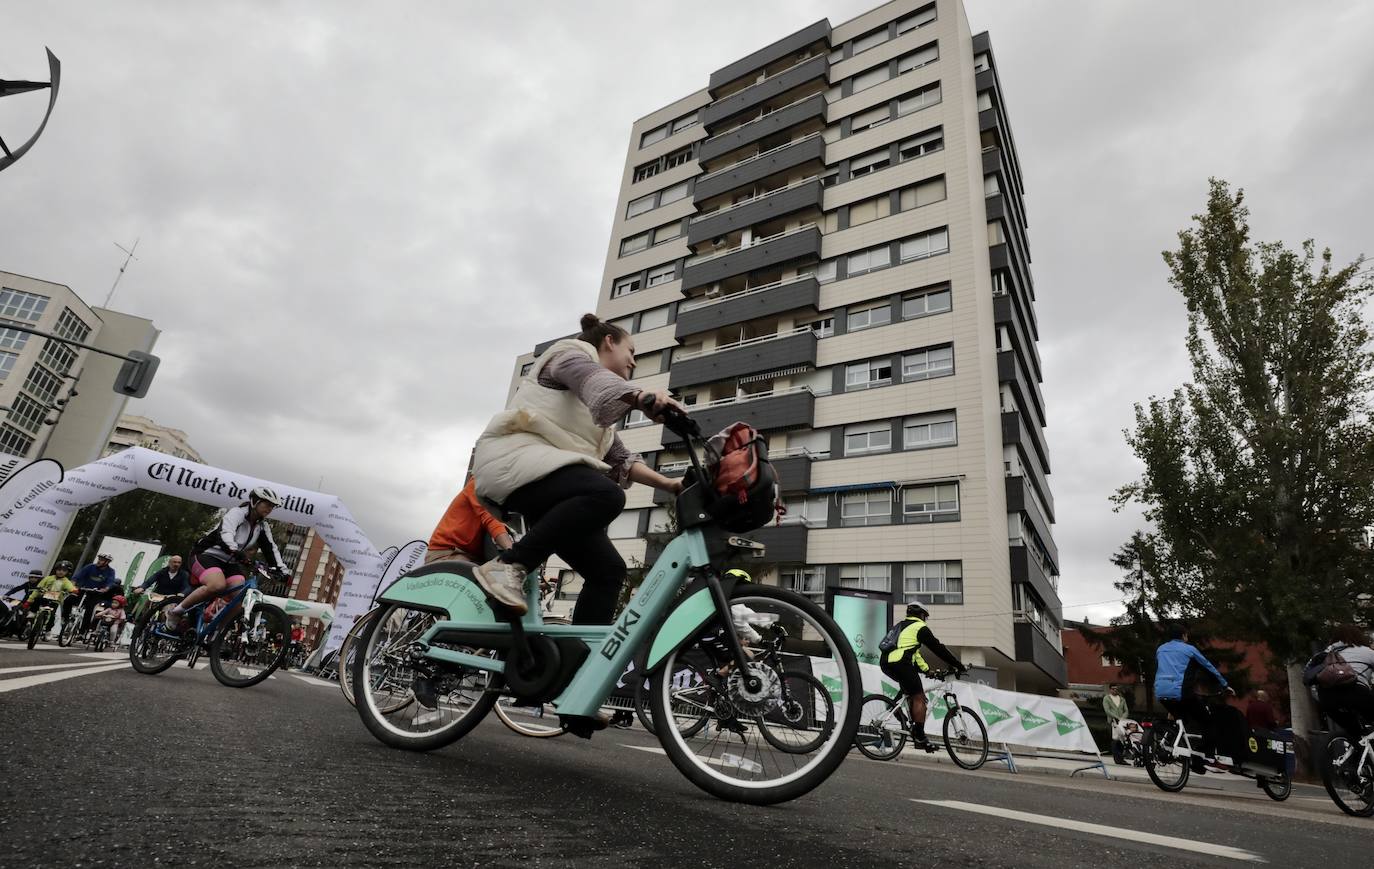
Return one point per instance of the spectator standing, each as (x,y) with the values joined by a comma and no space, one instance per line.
(1115,706)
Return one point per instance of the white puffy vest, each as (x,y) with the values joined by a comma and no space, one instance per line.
(541,431)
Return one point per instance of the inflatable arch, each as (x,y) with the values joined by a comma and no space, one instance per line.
(36,499)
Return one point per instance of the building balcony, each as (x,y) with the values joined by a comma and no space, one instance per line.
(771,124)
(786,544)
(1027,391)
(769,252)
(770,88)
(792,349)
(1021,499)
(794,472)
(1015,431)
(1032,647)
(1004,313)
(792,44)
(752,304)
(1026,568)
(768,411)
(760,209)
(807,149)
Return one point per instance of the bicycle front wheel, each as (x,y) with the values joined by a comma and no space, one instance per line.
(245,651)
(881,735)
(1168,771)
(733,761)
(346,653)
(539,721)
(642,710)
(966,739)
(67,635)
(37,627)
(151,650)
(1348,774)
(803,719)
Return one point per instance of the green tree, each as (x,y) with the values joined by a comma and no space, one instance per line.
(142,515)
(1259,474)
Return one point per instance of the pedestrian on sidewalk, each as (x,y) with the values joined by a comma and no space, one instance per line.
(1115,706)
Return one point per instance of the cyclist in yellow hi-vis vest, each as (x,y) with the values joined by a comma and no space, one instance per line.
(904,665)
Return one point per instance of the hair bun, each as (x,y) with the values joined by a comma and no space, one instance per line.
(590,321)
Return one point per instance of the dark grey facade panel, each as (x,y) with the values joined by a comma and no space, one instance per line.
(801,245)
(795,349)
(1025,569)
(1004,312)
(804,294)
(781,160)
(770,207)
(786,543)
(794,473)
(791,410)
(791,44)
(1014,431)
(813,107)
(1020,499)
(751,97)
(1033,648)
(1027,393)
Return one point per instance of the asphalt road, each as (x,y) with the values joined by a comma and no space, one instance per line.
(104,767)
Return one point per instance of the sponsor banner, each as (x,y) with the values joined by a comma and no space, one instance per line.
(864,617)
(128,558)
(30,534)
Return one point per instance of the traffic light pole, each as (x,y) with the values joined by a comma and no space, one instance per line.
(134,377)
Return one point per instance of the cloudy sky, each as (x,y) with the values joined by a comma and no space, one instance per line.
(352,218)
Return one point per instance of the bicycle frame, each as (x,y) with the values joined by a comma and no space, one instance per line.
(248,589)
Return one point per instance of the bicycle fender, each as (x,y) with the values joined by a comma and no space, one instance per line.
(444,588)
(685,621)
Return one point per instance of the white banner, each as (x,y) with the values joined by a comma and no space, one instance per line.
(42,498)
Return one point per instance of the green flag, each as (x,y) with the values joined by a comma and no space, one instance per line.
(993,714)
(1065,724)
(1029,720)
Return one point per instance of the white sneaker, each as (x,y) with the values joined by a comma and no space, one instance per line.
(504,582)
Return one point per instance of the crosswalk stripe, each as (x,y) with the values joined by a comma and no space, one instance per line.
(316,682)
(5,671)
(1208,848)
(44,678)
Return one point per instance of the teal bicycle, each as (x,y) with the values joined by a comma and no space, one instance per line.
(437,638)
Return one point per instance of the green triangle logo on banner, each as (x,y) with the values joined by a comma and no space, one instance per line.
(938,708)
(993,714)
(833,686)
(1065,724)
(889,689)
(293,607)
(1029,720)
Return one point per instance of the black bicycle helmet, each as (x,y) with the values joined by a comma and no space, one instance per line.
(63,565)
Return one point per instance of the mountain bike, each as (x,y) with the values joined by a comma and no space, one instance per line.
(1169,755)
(71,625)
(1348,772)
(436,631)
(245,638)
(885,726)
(42,620)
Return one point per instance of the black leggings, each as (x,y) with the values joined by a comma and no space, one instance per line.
(567,513)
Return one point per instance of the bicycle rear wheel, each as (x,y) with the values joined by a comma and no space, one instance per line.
(730,760)
(345,655)
(538,721)
(1348,775)
(804,716)
(881,735)
(385,673)
(150,649)
(67,635)
(245,651)
(643,711)
(966,739)
(1167,771)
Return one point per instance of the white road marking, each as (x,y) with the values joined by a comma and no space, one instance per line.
(1208,848)
(104,656)
(318,683)
(5,671)
(652,750)
(31,681)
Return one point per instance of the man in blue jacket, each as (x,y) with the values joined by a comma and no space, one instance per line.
(1175,693)
(94,581)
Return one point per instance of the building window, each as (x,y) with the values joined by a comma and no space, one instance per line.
(42,384)
(920,18)
(925,303)
(634,244)
(649,364)
(923,56)
(71,326)
(873,437)
(811,512)
(925,364)
(7,361)
(984,101)
(672,194)
(870,40)
(931,503)
(871,118)
(662,274)
(677,158)
(878,315)
(18,305)
(918,99)
(626,286)
(653,318)
(870,78)
(874,258)
(869,577)
(626,323)
(684,122)
(640,205)
(980,62)
(807,581)
(932,190)
(990,185)
(27,413)
(866,375)
(526,369)
(624,526)
(648,170)
(657,134)
(636,418)
(14,442)
(866,508)
(824,327)
(57,356)
(13,339)
(870,209)
(996,234)
(926,244)
(922,144)
(933,582)
(824,271)
(668,232)
(870,162)
(929,430)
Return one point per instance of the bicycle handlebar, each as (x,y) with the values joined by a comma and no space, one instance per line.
(680,423)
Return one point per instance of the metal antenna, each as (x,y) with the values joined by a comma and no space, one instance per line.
(130,252)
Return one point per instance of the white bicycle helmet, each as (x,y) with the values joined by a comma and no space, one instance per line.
(262,493)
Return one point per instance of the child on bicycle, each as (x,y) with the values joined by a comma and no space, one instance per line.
(904,665)
(113,615)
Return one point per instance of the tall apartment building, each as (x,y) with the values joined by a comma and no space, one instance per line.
(140,431)
(316,574)
(829,242)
